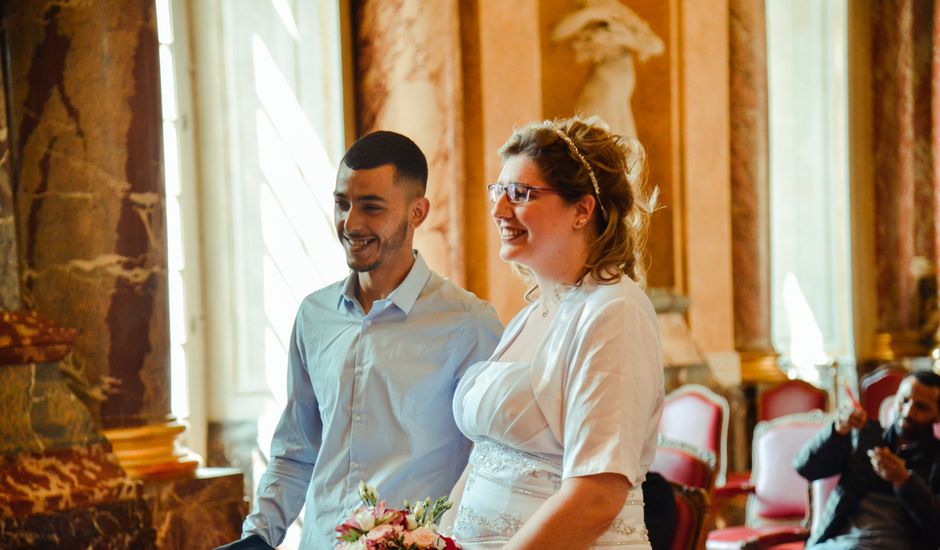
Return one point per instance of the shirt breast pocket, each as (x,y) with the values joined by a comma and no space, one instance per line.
(424,393)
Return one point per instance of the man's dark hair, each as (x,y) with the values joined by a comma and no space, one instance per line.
(381,148)
(927,378)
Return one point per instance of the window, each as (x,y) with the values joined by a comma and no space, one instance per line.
(269,109)
(809,204)
(183,247)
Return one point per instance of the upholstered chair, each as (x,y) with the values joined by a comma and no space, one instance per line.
(879,385)
(698,416)
(778,506)
(691,511)
(788,397)
(683,463)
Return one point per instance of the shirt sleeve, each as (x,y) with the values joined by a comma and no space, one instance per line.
(294,450)
(482,333)
(613,393)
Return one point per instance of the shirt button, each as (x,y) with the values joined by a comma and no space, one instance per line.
(357,418)
(368,323)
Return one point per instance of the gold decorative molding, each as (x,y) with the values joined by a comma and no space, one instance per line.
(760,366)
(893,345)
(152,452)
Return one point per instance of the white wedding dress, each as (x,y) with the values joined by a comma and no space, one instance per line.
(584,399)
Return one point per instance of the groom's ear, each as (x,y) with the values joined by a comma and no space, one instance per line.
(418,211)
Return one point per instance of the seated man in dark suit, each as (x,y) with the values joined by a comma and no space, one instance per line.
(888,495)
(659,511)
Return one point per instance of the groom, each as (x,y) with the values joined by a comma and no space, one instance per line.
(373,361)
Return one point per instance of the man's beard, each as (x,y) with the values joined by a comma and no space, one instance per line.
(914,432)
(386,249)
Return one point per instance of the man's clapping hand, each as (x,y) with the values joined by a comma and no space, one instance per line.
(888,466)
(850,418)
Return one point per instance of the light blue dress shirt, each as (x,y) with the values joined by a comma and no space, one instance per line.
(369,398)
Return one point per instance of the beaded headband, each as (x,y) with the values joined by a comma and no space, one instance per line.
(577,154)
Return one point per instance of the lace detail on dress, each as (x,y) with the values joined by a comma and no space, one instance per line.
(490,460)
(621,527)
(470,521)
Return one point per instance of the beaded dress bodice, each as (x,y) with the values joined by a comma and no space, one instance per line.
(516,462)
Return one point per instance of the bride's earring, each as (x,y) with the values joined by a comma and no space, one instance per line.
(579,223)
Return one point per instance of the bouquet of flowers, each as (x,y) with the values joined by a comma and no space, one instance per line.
(375,526)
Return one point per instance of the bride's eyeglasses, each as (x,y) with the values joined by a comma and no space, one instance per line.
(517,193)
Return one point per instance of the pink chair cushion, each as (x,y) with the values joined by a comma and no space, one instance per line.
(792,396)
(779,491)
(693,419)
(789,546)
(822,488)
(761,537)
(682,467)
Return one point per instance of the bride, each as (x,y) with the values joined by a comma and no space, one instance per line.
(564,414)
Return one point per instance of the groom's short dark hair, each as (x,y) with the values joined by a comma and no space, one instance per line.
(380,148)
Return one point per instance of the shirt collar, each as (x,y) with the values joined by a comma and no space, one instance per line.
(404,296)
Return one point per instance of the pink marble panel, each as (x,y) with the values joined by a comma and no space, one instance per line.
(409,80)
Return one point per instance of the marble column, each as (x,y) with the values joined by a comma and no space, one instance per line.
(935,176)
(409,80)
(86,141)
(904,182)
(750,192)
(9,270)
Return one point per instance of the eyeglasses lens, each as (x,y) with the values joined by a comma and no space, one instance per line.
(494,190)
(515,193)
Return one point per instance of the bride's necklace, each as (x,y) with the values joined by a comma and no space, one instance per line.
(551,300)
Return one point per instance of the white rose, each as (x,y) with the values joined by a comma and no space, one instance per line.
(410,522)
(365,519)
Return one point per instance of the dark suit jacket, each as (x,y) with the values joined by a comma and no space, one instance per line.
(829,454)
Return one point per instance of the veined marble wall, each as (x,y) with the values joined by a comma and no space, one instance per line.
(86,137)
(408,74)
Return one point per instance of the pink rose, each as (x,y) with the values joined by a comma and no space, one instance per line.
(422,537)
(384,532)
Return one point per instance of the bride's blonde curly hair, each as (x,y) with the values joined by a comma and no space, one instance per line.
(567,151)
